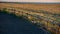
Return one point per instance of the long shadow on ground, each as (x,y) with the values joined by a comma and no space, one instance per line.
(10,24)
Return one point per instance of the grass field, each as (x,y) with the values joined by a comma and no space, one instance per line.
(46,15)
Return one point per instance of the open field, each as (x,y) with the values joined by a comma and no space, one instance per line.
(46,15)
(54,8)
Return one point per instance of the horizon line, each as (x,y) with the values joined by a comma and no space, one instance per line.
(34,2)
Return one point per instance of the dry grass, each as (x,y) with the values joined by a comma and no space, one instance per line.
(50,8)
(53,8)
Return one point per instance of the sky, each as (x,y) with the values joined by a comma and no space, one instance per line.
(29,0)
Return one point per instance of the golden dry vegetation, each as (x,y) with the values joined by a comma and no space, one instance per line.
(46,14)
(54,8)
